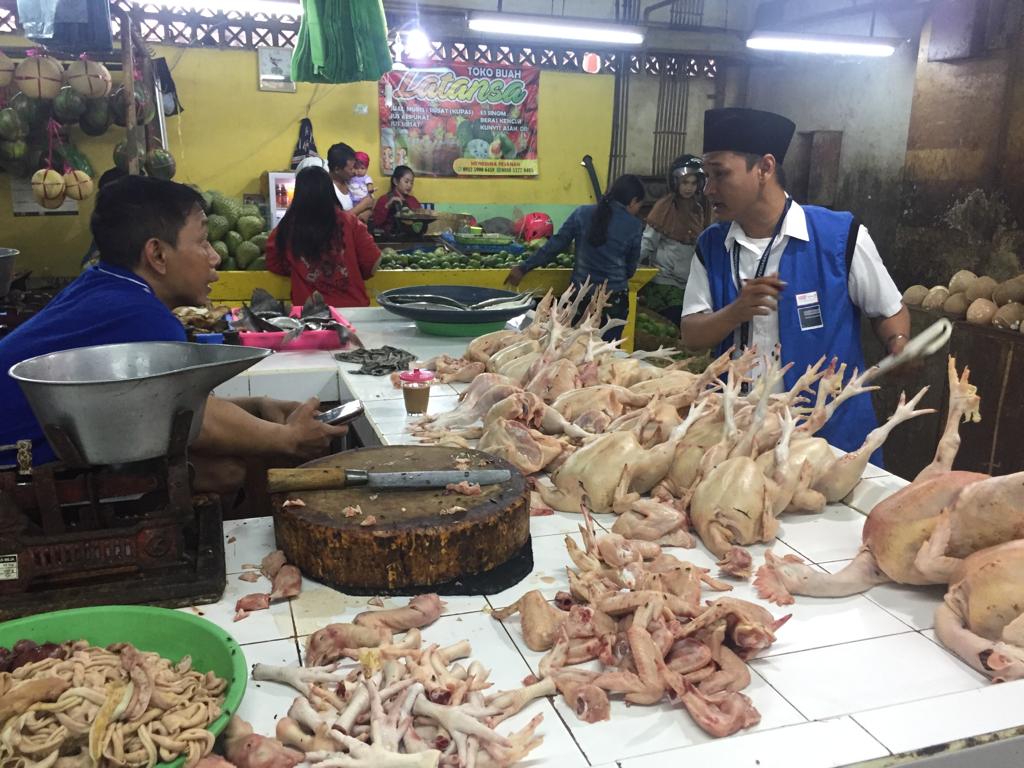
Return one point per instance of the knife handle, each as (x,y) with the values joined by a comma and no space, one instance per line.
(313,479)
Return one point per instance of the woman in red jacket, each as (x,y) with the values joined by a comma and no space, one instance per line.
(397,198)
(321,246)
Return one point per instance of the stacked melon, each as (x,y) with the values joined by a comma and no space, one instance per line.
(237,231)
(30,146)
(980,300)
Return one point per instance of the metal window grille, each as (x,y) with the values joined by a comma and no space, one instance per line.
(234,29)
(670,121)
(686,14)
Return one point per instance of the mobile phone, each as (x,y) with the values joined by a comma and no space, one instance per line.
(343,414)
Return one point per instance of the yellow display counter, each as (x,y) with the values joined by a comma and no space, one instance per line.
(236,287)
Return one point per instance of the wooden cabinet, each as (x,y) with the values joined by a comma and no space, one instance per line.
(994,445)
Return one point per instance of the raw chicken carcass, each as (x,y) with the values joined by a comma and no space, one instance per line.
(921,533)
(652,520)
(610,468)
(526,449)
(737,504)
(982,617)
(833,477)
(597,405)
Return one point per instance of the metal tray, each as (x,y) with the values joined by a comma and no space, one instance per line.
(467,294)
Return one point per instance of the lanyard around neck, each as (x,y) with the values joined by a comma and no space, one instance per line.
(762,265)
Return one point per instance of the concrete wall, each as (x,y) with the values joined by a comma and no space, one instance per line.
(869,100)
(230,133)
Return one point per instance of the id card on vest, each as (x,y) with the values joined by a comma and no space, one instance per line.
(808,310)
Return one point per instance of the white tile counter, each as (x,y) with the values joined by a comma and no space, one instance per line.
(850,680)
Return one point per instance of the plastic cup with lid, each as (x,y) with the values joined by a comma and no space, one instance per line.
(416,389)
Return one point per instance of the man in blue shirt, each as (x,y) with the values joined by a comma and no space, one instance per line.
(154,256)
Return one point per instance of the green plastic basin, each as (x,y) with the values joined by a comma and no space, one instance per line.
(172,634)
(458,329)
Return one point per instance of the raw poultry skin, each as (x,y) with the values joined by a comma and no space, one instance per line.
(610,468)
(832,477)
(982,617)
(920,533)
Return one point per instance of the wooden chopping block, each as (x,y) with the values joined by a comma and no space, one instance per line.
(415,540)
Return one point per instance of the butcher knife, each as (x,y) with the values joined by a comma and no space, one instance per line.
(329,478)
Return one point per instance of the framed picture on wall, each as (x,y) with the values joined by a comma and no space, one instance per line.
(275,66)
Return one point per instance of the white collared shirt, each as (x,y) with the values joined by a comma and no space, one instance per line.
(871,287)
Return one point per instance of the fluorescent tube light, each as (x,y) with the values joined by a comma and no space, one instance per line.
(551,28)
(826,44)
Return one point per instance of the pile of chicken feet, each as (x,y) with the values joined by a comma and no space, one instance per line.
(403,704)
(638,611)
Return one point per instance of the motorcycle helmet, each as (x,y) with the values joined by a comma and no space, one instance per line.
(312,161)
(533,226)
(684,166)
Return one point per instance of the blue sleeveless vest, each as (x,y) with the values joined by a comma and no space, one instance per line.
(817,266)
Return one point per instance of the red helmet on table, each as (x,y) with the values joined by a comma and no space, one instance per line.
(533,226)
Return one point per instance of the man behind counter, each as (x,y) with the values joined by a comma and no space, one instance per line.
(773,271)
(154,256)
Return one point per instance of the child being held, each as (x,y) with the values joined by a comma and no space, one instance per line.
(360,186)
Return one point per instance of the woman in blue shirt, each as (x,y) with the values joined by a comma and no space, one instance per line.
(607,237)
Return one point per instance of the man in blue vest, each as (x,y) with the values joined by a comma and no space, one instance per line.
(772,271)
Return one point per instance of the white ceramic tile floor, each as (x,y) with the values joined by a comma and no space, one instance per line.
(822,744)
(245,540)
(929,722)
(548,576)
(390,416)
(852,677)
(835,534)
(915,606)
(298,386)
(259,626)
(868,492)
(265,703)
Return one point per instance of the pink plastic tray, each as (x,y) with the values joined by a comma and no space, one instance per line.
(275,341)
(308,340)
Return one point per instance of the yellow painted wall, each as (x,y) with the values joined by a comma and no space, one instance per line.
(231,132)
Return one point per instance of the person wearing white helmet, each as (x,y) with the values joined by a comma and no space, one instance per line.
(313,161)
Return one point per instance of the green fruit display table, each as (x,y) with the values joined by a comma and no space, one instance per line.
(236,287)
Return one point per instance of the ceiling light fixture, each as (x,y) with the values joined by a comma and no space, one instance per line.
(417,44)
(835,45)
(552,28)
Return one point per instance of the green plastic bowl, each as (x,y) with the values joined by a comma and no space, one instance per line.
(458,329)
(172,634)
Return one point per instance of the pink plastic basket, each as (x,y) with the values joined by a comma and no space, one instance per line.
(275,341)
(309,340)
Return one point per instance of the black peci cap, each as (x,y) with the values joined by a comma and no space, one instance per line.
(748,131)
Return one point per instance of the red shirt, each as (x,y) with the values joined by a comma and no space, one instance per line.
(383,217)
(347,262)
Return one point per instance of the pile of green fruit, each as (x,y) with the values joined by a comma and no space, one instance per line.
(238,232)
(441,258)
(656,296)
(655,327)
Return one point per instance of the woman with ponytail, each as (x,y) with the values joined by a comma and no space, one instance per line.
(607,238)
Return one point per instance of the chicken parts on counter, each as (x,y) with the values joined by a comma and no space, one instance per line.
(285,583)
(637,610)
(404,705)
